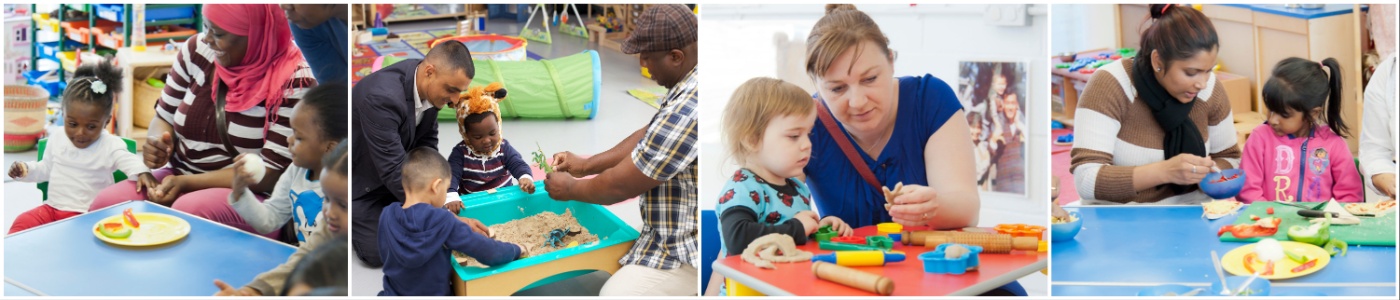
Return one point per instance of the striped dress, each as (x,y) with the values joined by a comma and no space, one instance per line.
(188,104)
(1115,133)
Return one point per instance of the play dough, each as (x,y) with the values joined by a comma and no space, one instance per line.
(253,164)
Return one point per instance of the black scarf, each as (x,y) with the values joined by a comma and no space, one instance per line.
(1172,115)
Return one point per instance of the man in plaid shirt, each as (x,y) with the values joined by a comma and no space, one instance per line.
(657,161)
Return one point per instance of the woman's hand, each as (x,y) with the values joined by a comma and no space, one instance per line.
(1385,182)
(241,178)
(17,170)
(1184,169)
(916,206)
(157,150)
(809,221)
(168,190)
(837,224)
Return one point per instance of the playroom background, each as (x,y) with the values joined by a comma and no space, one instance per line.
(589,97)
(743,41)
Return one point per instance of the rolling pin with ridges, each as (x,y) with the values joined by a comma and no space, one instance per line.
(853,278)
(990,242)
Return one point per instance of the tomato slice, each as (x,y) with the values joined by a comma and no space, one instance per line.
(131,218)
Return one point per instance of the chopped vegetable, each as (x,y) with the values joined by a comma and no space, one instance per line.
(131,218)
(1269,210)
(1295,257)
(1305,266)
(1250,260)
(1254,217)
(1335,244)
(114,230)
(1263,227)
(1317,234)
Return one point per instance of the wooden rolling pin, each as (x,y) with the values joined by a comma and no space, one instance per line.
(990,242)
(917,238)
(853,278)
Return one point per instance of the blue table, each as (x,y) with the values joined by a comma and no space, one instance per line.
(64,258)
(1123,249)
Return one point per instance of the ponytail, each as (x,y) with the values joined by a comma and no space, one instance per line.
(1334,97)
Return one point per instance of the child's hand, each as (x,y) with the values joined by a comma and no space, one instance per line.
(18,170)
(146,182)
(1058,212)
(476,226)
(527,185)
(168,190)
(228,290)
(241,178)
(809,221)
(524,250)
(454,206)
(840,226)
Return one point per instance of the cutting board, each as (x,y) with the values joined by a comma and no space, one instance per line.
(1373,231)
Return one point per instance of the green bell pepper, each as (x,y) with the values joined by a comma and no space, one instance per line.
(1295,257)
(1335,244)
(1317,234)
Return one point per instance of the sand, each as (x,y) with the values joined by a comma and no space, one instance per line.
(533,232)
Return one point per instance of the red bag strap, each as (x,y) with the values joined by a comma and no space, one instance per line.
(824,115)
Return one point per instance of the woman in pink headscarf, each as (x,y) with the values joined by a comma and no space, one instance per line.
(229,92)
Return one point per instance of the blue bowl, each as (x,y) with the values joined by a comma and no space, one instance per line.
(1223,189)
(1065,232)
(1162,290)
(1260,286)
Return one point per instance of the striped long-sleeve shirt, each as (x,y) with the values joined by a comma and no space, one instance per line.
(473,173)
(188,104)
(1115,133)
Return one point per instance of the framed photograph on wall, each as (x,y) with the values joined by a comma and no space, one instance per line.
(993,95)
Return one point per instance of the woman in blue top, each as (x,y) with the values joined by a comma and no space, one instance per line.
(898,126)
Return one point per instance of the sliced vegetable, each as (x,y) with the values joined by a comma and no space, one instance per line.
(1295,257)
(1317,234)
(1248,231)
(1269,210)
(1335,244)
(131,218)
(1304,266)
(114,230)
(1254,217)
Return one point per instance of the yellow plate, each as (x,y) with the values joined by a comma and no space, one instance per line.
(155,229)
(1233,261)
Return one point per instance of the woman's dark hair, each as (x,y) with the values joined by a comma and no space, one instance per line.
(1301,85)
(1176,33)
(330,101)
(336,161)
(104,74)
(325,266)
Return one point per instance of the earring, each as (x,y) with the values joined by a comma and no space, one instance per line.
(1159,70)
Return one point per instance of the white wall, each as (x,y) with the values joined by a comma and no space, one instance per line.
(746,41)
(1079,27)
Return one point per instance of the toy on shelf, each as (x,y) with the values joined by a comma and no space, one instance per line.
(853,278)
(610,21)
(859,258)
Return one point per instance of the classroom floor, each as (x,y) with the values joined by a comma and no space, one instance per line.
(619,115)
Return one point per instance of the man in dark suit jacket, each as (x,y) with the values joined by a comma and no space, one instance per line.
(395,110)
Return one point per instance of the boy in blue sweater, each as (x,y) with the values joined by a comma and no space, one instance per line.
(416,240)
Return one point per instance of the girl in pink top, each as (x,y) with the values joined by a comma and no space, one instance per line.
(1300,155)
